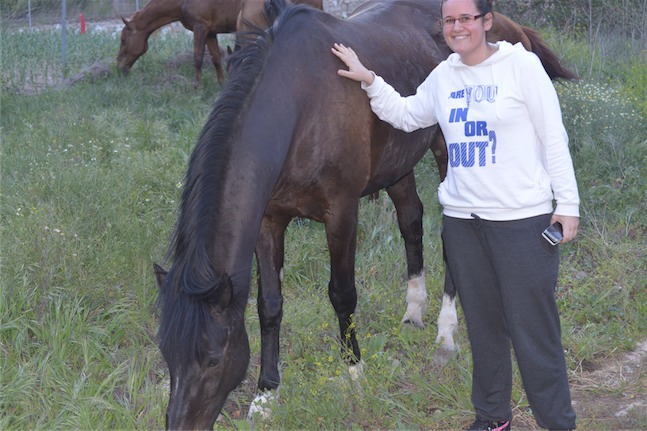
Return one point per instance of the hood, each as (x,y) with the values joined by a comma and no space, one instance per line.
(505,49)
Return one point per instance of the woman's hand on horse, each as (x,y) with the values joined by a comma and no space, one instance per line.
(356,70)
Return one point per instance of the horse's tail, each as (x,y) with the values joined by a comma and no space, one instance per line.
(549,60)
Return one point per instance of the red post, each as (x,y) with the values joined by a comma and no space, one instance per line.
(82,19)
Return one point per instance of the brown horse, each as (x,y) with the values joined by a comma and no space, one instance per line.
(288,138)
(206,18)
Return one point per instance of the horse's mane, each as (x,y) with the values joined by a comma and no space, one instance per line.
(193,284)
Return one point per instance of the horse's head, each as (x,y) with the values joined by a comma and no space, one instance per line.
(134,43)
(205,345)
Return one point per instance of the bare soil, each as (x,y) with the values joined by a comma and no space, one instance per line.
(609,396)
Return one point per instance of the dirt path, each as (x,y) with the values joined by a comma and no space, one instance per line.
(613,396)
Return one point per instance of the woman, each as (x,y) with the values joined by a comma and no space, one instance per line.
(508,161)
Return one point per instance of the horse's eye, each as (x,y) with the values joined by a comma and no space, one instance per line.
(213,362)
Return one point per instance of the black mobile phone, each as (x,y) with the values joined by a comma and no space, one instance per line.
(553,233)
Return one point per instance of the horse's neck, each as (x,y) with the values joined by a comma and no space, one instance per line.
(156,14)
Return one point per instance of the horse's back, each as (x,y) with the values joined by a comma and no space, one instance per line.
(218,16)
(333,123)
(400,40)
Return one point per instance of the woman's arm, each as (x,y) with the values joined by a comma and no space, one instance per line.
(545,112)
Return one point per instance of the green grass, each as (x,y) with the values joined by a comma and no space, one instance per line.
(91,176)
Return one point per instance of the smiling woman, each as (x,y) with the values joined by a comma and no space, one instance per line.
(508,159)
(462,32)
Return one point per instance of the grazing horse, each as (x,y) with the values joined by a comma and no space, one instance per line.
(206,18)
(288,138)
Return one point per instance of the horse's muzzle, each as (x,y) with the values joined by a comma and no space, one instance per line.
(123,70)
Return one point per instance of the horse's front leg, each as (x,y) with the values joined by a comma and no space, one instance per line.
(341,230)
(269,258)
(409,210)
(214,50)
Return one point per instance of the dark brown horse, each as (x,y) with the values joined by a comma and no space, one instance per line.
(288,138)
(206,18)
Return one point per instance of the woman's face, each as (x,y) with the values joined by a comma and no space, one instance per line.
(468,38)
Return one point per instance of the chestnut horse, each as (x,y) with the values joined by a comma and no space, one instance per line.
(288,138)
(206,18)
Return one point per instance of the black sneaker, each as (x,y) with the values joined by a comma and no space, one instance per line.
(483,425)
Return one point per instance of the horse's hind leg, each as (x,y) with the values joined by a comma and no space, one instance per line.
(269,258)
(214,50)
(447,321)
(409,210)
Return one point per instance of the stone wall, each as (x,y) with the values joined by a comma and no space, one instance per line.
(341,8)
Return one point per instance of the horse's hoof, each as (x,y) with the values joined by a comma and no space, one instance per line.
(419,324)
(261,407)
(356,371)
(416,301)
(413,315)
(442,357)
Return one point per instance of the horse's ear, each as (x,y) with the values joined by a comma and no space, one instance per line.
(126,23)
(225,293)
(160,275)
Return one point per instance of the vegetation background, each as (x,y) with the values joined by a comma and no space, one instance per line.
(92,166)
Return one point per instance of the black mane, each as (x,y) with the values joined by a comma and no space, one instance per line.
(192,284)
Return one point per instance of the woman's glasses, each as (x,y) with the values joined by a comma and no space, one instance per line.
(463,19)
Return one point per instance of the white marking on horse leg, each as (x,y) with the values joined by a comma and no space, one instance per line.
(261,407)
(356,371)
(447,323)
(416,300)
(356,374)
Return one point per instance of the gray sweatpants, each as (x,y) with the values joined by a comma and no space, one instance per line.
(505,274)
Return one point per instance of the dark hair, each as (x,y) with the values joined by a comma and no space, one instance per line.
(483,6)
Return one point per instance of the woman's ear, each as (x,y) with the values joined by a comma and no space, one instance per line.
(487,21)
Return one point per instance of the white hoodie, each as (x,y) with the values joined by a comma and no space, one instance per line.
(507,145)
